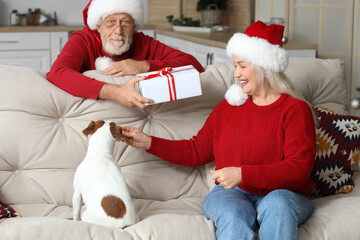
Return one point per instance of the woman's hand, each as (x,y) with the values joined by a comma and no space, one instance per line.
(126,94)
(136,138)
(228,177)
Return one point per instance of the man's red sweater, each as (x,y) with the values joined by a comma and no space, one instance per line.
(274,145)
(82,49)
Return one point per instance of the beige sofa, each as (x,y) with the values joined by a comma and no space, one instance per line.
(41,145)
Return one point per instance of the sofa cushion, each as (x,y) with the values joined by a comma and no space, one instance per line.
(338,149)
(42,144)
(159,226)
(322,82)
(334,217)
(7,211)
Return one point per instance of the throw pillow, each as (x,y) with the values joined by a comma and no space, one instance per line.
(338,149)
(7,211)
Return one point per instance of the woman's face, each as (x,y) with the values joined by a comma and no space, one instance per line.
(246,75)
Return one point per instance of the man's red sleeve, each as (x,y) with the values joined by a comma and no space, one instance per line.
(74,59)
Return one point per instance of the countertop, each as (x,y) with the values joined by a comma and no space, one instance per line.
(220,39)
(43,28)
(216,39)
(40,28)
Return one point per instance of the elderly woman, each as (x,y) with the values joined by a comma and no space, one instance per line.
(111,32)
(263,144)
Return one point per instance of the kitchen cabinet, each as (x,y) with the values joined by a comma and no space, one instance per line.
(38,59)
(205,54)
(31,49)
(175,43)
(57,42)
(36,49)
(150,32)
(208,55)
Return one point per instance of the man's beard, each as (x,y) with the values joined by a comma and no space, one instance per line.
(116,49)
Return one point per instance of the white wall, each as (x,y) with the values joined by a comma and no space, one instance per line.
(69,12)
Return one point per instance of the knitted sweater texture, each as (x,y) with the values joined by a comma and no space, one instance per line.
(274,145)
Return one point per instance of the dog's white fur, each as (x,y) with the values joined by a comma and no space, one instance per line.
(99,176)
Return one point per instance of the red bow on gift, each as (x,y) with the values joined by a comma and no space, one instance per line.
(160,73)
(171,80)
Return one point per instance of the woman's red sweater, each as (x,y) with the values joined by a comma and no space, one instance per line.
(274,145)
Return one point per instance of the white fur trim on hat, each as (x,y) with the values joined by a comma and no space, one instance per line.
(102,63)
(99,9)
(258,51)
(235,96)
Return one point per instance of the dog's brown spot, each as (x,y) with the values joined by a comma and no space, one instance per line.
(116,132)
(93,126)
(113,206)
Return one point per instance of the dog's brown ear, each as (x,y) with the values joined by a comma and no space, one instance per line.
(93,126)
(116,132)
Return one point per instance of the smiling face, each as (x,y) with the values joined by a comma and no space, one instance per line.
(116,32)
(247,76)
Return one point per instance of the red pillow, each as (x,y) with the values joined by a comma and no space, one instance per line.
(337,150)
(7,211)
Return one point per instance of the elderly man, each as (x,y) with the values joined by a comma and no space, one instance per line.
(110,31)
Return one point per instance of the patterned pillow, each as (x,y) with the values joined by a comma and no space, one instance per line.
(7,211)
(338,149)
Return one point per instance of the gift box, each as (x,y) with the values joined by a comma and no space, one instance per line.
(170,84)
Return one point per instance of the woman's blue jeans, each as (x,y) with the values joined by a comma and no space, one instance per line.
(236,213)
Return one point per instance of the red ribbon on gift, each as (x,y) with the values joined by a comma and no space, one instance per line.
(171,80)
(160,73)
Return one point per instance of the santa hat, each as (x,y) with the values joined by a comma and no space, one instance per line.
(235,95)
(102,63)
(99,9)
(260,45)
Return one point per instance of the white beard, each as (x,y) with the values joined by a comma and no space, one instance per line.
(118,48)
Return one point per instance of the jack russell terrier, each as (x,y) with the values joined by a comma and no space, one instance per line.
(98,181)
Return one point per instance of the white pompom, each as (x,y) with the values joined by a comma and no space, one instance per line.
(102,63)
(235,95)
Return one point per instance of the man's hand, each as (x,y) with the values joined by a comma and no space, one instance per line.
(228,177)
(125,94)
(126,67)
(136,138)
